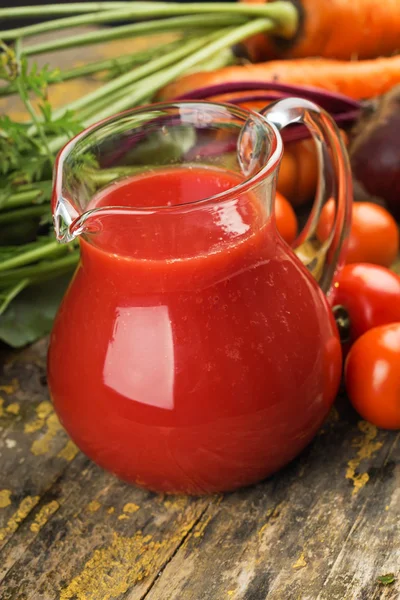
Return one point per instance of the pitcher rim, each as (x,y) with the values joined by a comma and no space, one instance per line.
(240,188)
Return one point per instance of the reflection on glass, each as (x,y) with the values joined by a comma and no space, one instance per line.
(143,341)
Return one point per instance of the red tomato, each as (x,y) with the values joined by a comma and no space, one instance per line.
(286,183)
(286,219)
(374,236)
(298,172)
(372,375)
(370,294)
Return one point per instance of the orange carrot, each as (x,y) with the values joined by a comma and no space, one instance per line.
(341,29)
(356,79)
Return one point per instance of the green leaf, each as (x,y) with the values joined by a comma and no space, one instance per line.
(19,153)
(387,579)
(30,315)
(8,63)
(65,124)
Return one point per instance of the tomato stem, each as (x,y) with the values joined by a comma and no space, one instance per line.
(343,323)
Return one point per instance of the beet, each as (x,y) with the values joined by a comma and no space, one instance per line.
(343,110)
(375,150)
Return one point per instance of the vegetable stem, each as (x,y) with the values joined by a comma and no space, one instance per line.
(122,62)
(223,59)
(43,251)
(23,213)
(138,92)
(129,96)
(136,29)
(42,270)
(220,60)
(28,105)
(127,78)
(53,10)
(23,198)
(12,293)
(23,92)
(283,13)
(150,85)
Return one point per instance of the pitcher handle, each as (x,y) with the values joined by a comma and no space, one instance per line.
(322,259)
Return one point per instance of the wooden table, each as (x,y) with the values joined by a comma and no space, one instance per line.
(322,529)
(325,528)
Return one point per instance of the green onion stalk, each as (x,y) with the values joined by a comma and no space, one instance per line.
(203,35)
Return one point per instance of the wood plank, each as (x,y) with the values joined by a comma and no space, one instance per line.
(34,450)
(323,528)
(67,528)
(104,538)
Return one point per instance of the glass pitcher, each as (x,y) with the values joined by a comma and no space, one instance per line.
(194,350)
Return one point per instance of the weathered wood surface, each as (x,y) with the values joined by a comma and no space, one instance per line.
(323,529)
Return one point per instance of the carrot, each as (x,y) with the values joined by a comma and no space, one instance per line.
(356,79)
(260,47)
(341,29)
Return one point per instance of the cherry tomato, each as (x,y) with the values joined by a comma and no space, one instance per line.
(374,236)
(287,175)
(370,294)
(286,220)
(298,172)
(372,375)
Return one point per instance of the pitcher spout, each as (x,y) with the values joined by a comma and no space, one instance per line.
(64,216)
(72,191)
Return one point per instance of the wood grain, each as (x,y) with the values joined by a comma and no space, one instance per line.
(322,529)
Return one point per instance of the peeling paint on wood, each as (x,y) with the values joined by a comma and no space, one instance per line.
(18,516)
(43,410)
(366,448)
(10,388)
(112,570)
(130,508)
(69,451)
(13,408)
(43,515)
(42,445)
(93,506)
(5,498)
(300,562)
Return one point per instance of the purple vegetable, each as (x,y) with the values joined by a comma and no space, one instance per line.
(331,100)
(344,110)
(375,150)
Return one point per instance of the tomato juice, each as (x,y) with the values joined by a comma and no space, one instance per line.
(192,352)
